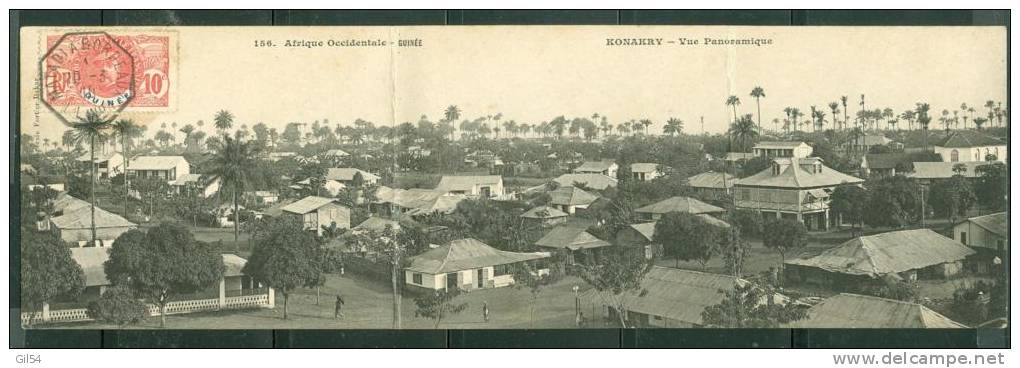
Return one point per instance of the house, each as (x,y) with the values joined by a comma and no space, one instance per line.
(988,235)
(335,154)
(883,165)
(604,167)
(479,186)
(668,297)
(277,156)
(928,173)
(570,198)
(641,235)
(414,202)
(966,145)
(346,175)
(332,187)
(54,182)
(263,196)
(654,211)
(795,188)
(167,168)
(773,149)
(92,260)
(203,185)
(714,185)
(319,212)
(71,220)
(644,171)
(593,181)
(235,282)
(573,244)
(905,254)
(864,143)
(376,223)
(108,164)
(863,311)
(466,264)
(734,157)
(545,216)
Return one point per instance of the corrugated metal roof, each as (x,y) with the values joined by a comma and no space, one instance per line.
(594,181)
(233,264)
(466,254)
(712,180)
(376,223)
(862,311)
(156,162)
(451,183)
(968,139)
(795,176)
(644,167)
(891,252)
(91,261)
(737,156)
(778,144)
(594,166)
(347,174)
(570,237)
(997,223)
(306,205)
(571,196)
(76,214)
(544,212)
(679,204)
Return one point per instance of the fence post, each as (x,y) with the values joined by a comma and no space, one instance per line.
(46,312)
(272,298)
(223,292)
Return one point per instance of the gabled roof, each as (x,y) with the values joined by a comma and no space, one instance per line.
(571,196)
(679,204)
(234,264)
(594,166)
(737,156)
(944,170)
(712,180)
(646,229)
(418,200)
(885,160)
(644,167)
(336,153)
(594,181)
(156,162)
(376,223)
(888,253)
(450,183)
(466,254)
(544,212)
(967,139)
(862,311)
(77,214)
(570,237)
(778,144)
(307,204)
(347,174)
(871,140)
(794,175)
(91,260)
(995,223)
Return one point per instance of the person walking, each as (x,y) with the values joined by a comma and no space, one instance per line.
(338,310)
(485,311)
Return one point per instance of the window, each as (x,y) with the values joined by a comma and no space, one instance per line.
(963,237)
(416,278)
(500,270)
(954,156)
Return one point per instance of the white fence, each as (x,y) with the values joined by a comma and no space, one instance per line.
(178,307)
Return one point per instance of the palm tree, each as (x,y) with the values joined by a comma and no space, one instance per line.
(909,117)
(758,93)
(978,122)
(795,113)
(744,130)
(888,113)
(645,123)
(673,126)
(187,129)
(834,107)
(956,119)
(923,119)
(223,121)
(126,130)
(846,113)
(733,101)
(234,162)
(92,128)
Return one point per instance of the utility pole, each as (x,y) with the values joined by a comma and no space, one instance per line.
(702,125)
(922,205)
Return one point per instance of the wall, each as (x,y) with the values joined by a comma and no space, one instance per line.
(976,236)
(968,154)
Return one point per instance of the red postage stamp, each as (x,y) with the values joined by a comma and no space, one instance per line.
(96,69)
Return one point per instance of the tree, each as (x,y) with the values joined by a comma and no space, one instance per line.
(619,274)
(389,243)
(784,235)
(526,276)
(286,257)
(126,130)
(743,307)
(758,93)
(92,129)
(47,270)
(151,190)
(162,263)
(118,305)
(733,101)
(437,305)
(849,203)
(744,130)
(234,161)
(893,201)
(687,237)
(953,197)
(223,121)
(992,185)
(748,221)
(734,251)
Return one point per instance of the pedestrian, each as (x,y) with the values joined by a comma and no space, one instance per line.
(485,311)
(338,312)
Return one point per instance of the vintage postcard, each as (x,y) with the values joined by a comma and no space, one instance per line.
(513,177)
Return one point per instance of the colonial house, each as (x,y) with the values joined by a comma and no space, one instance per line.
(864,143)
(414,202)
(71,220)
(545,216)
(570,198)
(796,188)
(108,164)
(204,186)
(654,211)
(883,165)
(92,260)
(345,176)
(318,212)
(604,167)
(573,244)
(904,255)
(466,264)
(668,298)
(167,168)
(640,236)
(644,171)
(965,145)
(773,149)
(480,186)
(927,173)
(863,311)
(712,184)
(988,235)
(593,181)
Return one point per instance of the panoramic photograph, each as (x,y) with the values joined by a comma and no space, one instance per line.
(513,177)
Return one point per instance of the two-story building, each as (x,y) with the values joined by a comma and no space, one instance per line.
(795,188)
(318,212)
(478,186)
(167,168)
(774,149)
(965,145)
(108,164)
(711,184)
(604,167)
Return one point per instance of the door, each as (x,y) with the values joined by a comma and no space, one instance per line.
(481,278)
(451,281)
(486,192)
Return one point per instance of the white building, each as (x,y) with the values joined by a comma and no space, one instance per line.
(168,168)
(319,212)
(962,146)
(644,171)
(465,264)
(605,167)
(483,186)
(782,149)
(795,188)
(108,164)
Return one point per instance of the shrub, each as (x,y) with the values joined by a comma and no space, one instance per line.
(118,305)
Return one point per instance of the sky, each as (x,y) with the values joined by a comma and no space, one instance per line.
(533,74)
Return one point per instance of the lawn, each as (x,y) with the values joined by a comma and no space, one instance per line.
(369,306)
